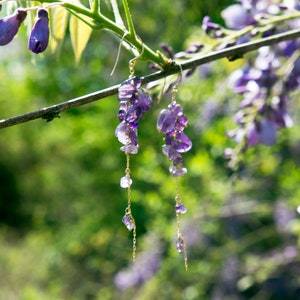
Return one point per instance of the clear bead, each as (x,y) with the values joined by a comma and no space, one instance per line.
(125,182)
(131,149)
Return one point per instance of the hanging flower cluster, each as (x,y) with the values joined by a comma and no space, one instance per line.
(172,122)
(39,37)
(267,81)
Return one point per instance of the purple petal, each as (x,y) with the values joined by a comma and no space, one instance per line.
(237,17)
(252,134)
(267,133)
(10,25)
(39,36)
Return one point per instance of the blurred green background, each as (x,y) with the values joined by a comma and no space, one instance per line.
(61,235)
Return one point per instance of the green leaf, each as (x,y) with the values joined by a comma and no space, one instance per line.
(80,35)
(59,20)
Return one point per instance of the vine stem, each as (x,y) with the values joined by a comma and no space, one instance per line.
(129,19)
(102,22)
(50,112)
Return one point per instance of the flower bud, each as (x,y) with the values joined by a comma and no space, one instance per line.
(39,37)
(9,26)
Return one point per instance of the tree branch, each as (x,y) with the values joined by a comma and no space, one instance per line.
(50,112)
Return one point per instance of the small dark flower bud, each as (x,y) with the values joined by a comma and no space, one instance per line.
(9,26)
(39,37)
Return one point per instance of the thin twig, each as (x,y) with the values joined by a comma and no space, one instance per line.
(53,111)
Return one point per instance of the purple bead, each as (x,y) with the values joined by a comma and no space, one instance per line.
(180,208)
(166,121)
(131,149)
(166,149)
(128,88)
(133,138)
(121,115)
(181,122)
(169,138)
(128,222)
(144,101)
(121,133)
(133,114)
(178,161)
(180,244)
(175,108)
(173,154)
(10,25)
(182,142)
(177,172)
(39,36)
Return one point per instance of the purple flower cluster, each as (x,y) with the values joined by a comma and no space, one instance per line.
(39,37)
(265,97)
(133,102)
(246,13)
(266,82)
(146,265)
(172,122)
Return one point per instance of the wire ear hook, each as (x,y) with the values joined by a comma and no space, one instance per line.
(176,83)
(118,53)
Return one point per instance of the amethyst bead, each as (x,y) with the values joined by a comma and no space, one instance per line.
(128,222)
(166,121)
(182,142)
(180,244)
(180,208)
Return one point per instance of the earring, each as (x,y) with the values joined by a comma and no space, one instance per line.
(133,103)
(172,122)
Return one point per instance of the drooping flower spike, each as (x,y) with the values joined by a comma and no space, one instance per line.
(10,25)
(39,36)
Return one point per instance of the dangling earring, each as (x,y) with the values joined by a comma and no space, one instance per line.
(133,102)
(172,122)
